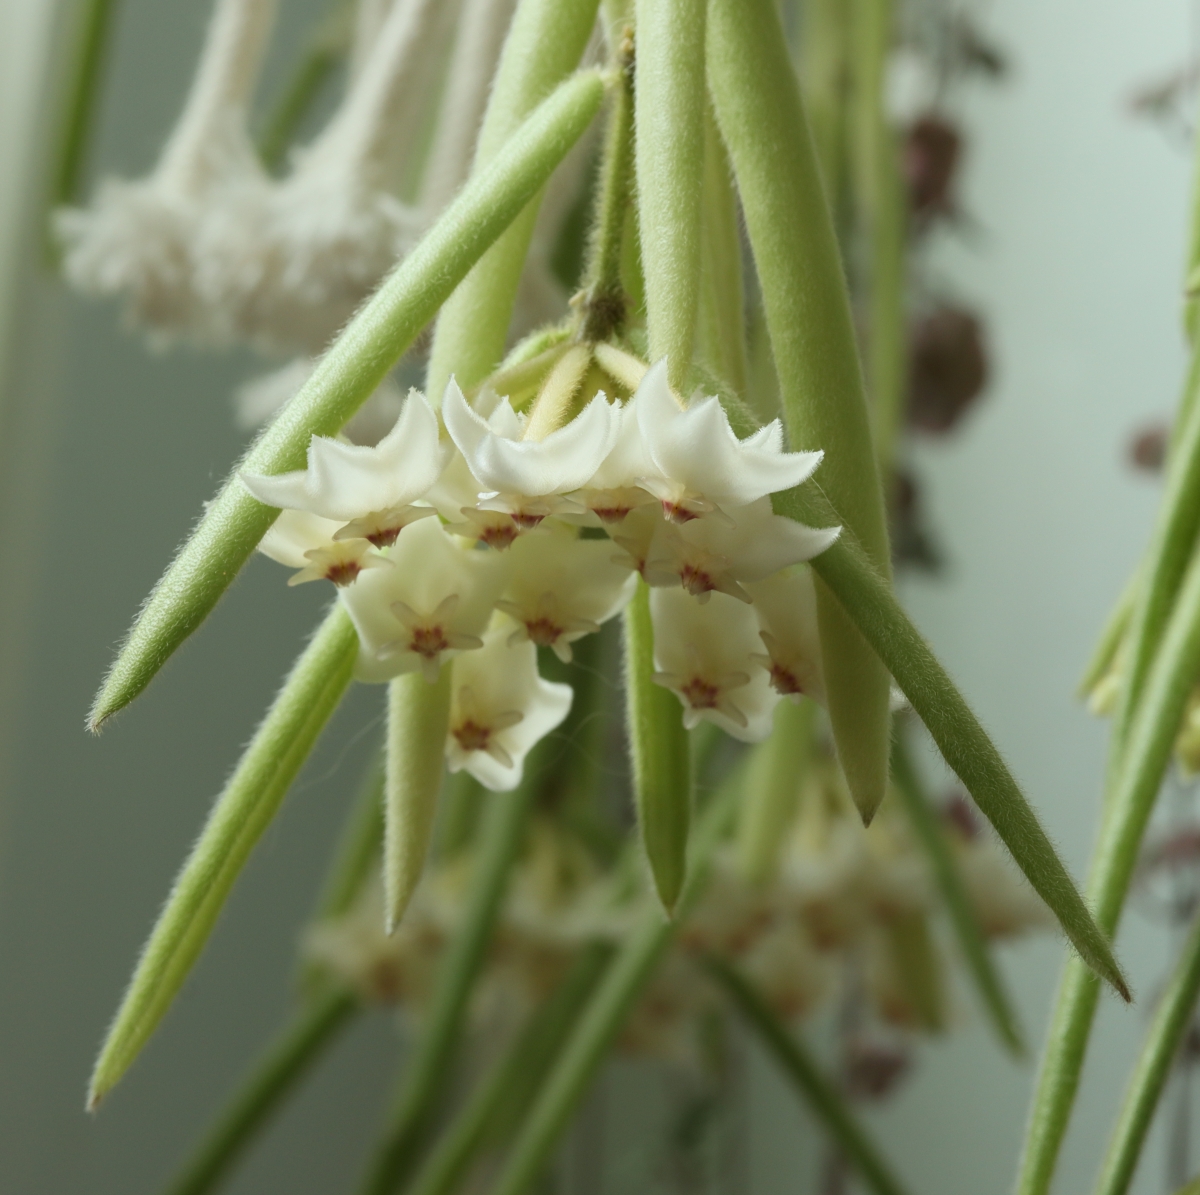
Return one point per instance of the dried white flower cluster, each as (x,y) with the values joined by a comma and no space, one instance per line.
(212,248)
(846,906)
(470,552)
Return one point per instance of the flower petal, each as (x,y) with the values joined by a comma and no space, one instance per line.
(346,481)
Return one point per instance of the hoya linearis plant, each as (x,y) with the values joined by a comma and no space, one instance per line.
(621,463)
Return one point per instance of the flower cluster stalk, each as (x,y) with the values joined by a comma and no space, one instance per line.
(347,375)
(761,116)
(545,43)
(95,27)
(604,303)
(325,48)
(671,104)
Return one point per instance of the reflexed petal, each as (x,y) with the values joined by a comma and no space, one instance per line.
(346,481)
(565,460)
(697,448)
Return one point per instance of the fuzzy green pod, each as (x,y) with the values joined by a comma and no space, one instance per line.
(812,338)
(243,811)
(418,719)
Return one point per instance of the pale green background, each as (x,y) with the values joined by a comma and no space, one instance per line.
(1076,263)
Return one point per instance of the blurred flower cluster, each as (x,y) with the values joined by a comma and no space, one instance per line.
(845,913)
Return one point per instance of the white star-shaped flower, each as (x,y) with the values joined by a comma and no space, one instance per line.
(347,481)
(436,603)
(705,654)
(511,470)
(500,708)
(700,465)
(561,588)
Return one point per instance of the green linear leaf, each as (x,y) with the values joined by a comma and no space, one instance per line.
(346,376)
(417,724)
(670,104)
(807,305)
(964,744)
(661,753)
(242,812)
(1129,802)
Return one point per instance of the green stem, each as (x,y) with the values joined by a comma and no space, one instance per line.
(868,600)
(346,376)
(427,1072)
(621,984)
(284,1064)
(243,811)
(544,44)
(671,104)
(1159,1051)
(95,33)
(821,1094)
(812,334)
(659,747)
(505,1092)
(1141,768)
(1175,532)
(955,897)
(605,303)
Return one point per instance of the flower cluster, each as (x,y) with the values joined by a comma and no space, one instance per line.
(473,550)
(847,909)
